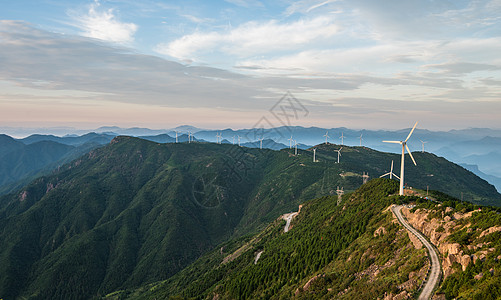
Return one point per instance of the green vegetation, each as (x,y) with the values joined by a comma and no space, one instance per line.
(137,212)
(482,278)
(337,244)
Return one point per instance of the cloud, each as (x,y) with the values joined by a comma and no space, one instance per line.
(252,38)
(246,3)
(104,25)
(460,68)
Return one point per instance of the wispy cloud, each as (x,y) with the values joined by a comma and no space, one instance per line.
(103,24)
(252,38)
(246,3)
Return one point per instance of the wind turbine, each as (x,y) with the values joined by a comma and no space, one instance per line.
(189,137)
(423,145)
(233,143)
(295,145)
(390,173)
(402,162)
(290,142)
(342,138)
(238,140)
(176,137)
(261,143)
(360,140)
(314,154)
(338,153)
(326,136)
(217,138)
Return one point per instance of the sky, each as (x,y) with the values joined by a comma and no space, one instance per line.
(361,64)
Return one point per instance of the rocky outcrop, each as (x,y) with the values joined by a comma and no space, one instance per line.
(439,229)
(306,287)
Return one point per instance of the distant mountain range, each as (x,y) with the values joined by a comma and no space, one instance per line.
(475,147)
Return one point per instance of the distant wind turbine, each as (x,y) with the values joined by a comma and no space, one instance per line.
(176,136)
(290,142)
(238,140)
(402,163)
(326,136)
(338,153)
(261,143)
(342,138)
(189,136)
(295,145)
(390,173)
(233,143)
(314,154)
(360,140)
(423,145)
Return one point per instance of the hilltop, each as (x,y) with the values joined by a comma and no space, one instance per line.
(135,212)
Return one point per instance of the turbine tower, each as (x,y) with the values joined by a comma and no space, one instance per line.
(360,140)
(290,142)
(238,140)
(261,143)
(390,173)
(233,143)
(423,145)
(176,137)
(295,145)
(189,137)
(326,136)
(402,162)
(338,153)
(217,138)
(342,138)
(314,154)
(340,193)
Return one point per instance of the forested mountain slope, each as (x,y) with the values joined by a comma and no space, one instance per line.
(135,211)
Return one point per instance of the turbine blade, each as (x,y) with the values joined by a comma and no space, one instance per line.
(393,142)
(396,176)
(409,151)
(384,175)
(410,133)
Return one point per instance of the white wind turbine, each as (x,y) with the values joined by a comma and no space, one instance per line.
(360,140)
(326,136)
(295,145)
(338,153)
(217,138)
(238,140)
(423,145)
(189,137)
(314,154)
(176,136)
(233,143)
(390,173)
(290,142)
(342,138)
(261,143)
(402,163)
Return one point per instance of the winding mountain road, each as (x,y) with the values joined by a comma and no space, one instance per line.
(288,218)
(434,278)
